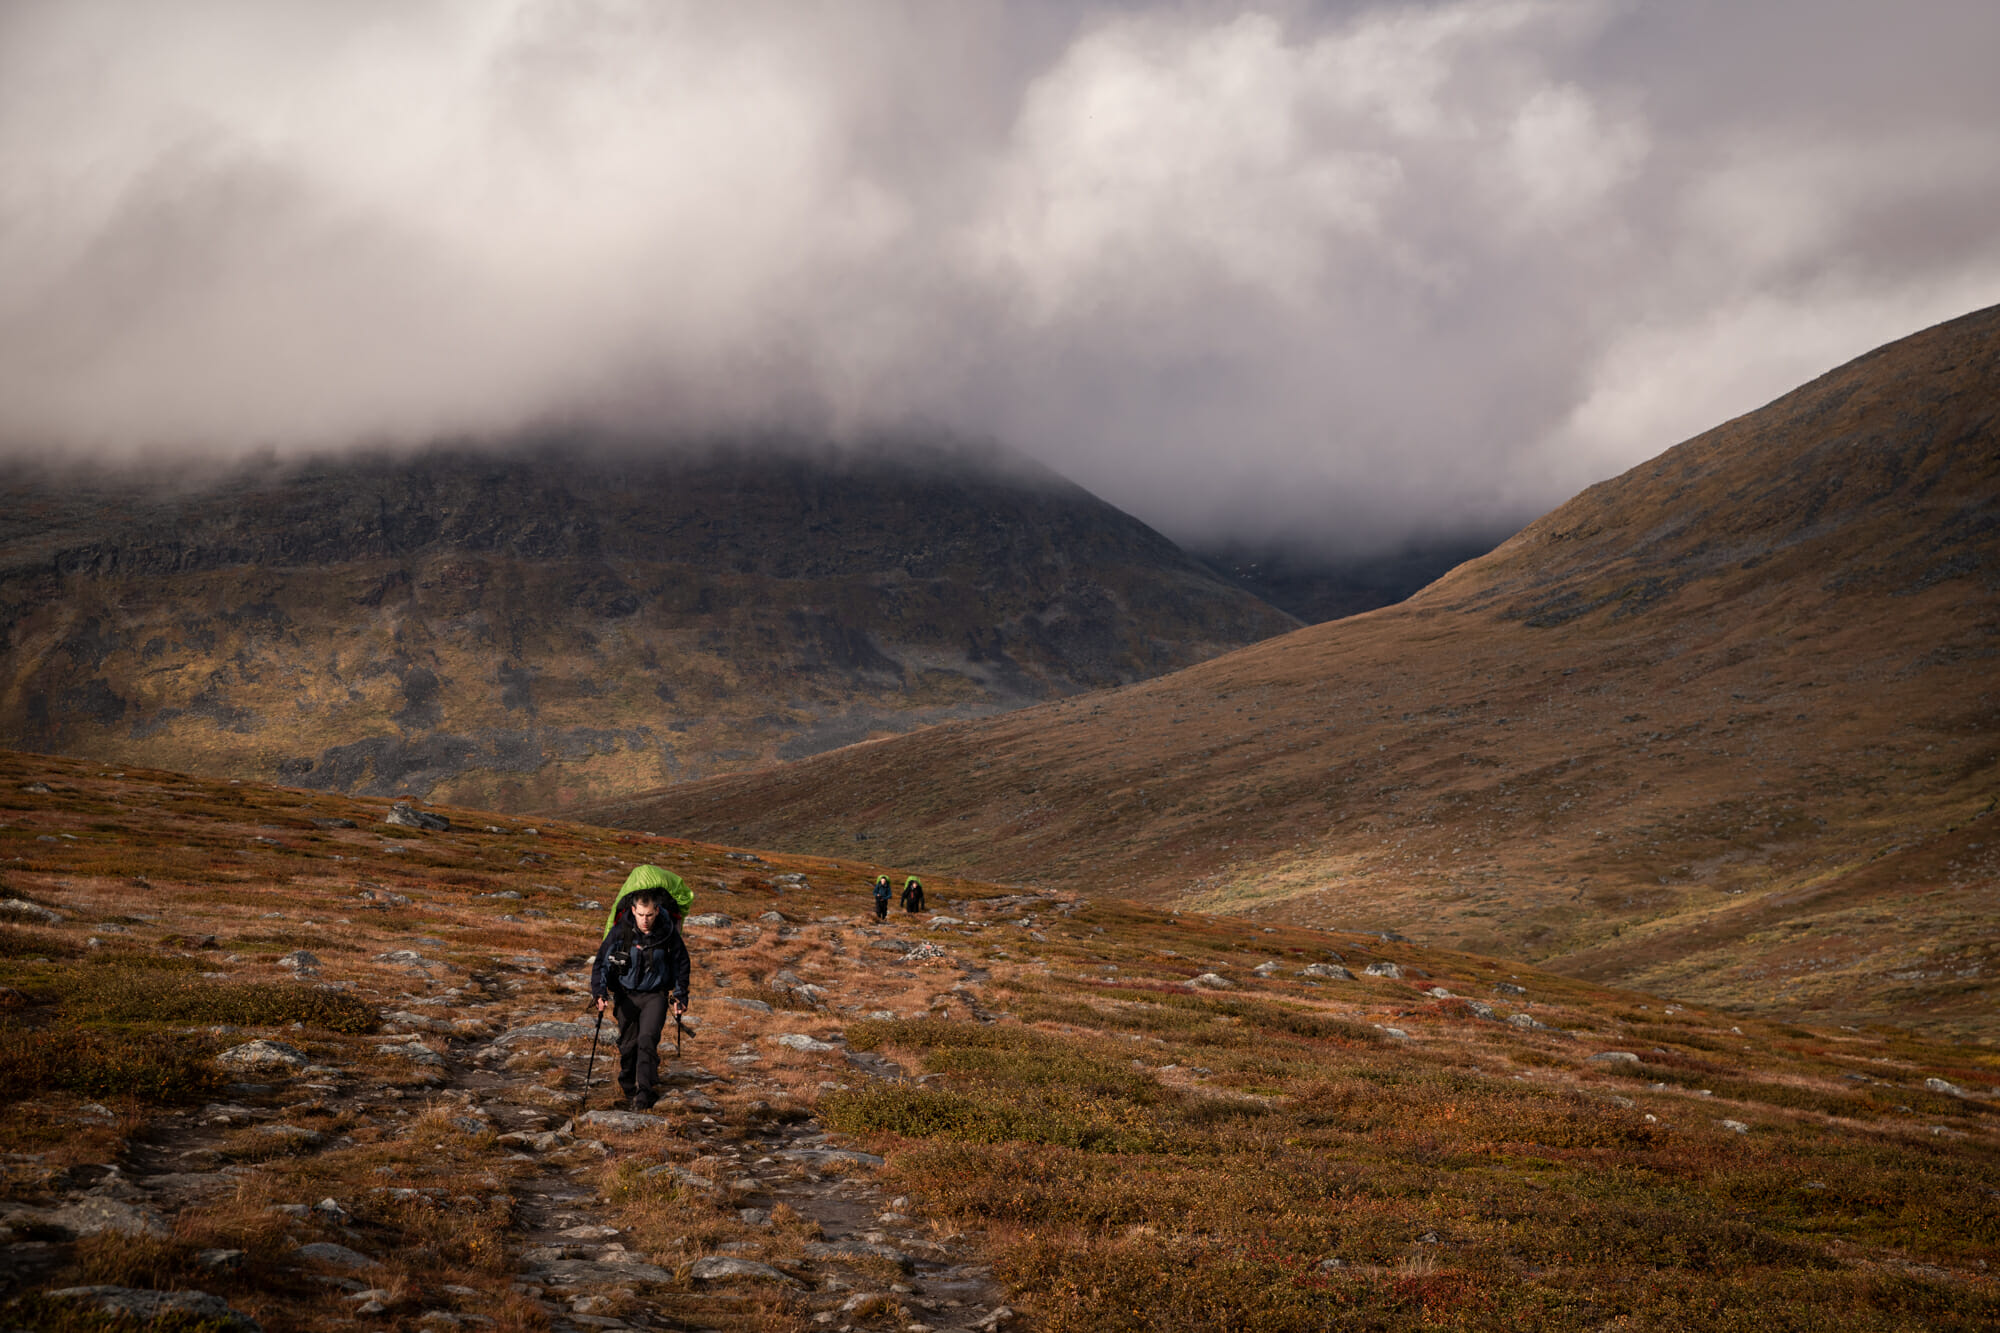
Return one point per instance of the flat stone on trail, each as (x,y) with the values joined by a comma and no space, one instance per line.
(590,1232)
(326,1252)
(148,1306)
(799,1041)
(262,1056)
(844,1251)
(580,1272)
(822,1156)
(621,1122)
(545,1032)
(723,1268)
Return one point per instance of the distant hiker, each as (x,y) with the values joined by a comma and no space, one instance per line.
(913,894)
(881,897)
(641,972)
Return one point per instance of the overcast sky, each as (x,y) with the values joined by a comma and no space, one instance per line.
(1351,271)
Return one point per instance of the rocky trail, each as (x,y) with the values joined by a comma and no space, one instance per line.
(727,1206)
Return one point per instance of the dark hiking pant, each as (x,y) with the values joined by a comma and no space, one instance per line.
(642,1016)
(881,909)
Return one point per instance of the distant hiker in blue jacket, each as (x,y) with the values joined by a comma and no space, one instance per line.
(882,891)
(641,972)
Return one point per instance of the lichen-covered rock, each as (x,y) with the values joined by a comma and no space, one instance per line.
(1326,971)
(148,1306)
(724,1268)
(262,1057)
(404,815)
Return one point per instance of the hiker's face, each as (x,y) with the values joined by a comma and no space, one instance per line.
(645,914)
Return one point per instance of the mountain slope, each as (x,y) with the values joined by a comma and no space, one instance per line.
(571,618)
(1724,726)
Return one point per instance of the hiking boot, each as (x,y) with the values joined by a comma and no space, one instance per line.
(645,1101)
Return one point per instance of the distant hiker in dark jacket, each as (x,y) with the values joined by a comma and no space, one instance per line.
(641,972)
(881,897)
(913,894)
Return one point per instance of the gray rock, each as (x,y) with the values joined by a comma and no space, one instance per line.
(1328,971)
(799,1041)
(679,1175)
(1210,981)
(1389,970)
(546,1032)
(299,960)
(147,1306)
(296,1135)
(581,1272)
(775,918)
(404,815)
(1735,1126)
(262,1057)
(621,1122)
(413,1051)
(1614,1058)
(326,1252)
(1527,1023)
(754,1006)
(27,911)
(708,919)
(842,1251)
(1439,993)
(824,1156)
(1949,1089)
(722,1268)
(93,1216)
(1509,988)
(1264,969)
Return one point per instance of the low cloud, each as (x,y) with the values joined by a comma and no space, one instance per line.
(1347,272)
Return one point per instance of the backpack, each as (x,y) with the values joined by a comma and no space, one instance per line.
(679,895)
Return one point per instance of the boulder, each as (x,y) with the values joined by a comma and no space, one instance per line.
(24,910)
(1614,1058)
(404,815)
(754,1006)
(1210,981)
(1327,971)
(709,919)
(1389,970)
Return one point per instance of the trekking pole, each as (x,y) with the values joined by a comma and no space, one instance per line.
(584,1096)
(678,1029)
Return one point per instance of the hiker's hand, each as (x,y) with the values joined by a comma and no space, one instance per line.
(680,1007)
(601,1003)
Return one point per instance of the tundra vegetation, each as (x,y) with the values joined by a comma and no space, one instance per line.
(1097,1114)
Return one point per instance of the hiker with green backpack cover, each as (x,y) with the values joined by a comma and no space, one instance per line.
(641,973)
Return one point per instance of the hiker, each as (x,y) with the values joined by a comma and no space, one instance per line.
(641,974)
(913,894)
(881,897)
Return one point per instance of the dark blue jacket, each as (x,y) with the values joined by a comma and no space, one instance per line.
(659,961)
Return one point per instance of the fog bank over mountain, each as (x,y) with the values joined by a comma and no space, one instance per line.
(1343,274)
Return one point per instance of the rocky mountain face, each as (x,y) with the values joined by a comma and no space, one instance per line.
(1723,727)
(571,618)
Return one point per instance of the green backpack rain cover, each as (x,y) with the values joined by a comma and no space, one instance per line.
(651,877)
